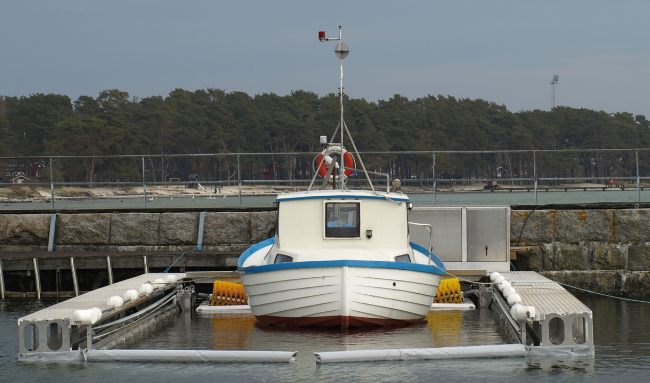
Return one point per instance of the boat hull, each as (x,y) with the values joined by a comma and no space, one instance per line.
(340,296)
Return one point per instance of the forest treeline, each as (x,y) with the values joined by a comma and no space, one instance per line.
(213,121)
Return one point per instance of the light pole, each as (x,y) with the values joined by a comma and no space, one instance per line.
(341,51)
(553,82)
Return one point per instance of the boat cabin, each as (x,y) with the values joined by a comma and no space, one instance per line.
(342,225)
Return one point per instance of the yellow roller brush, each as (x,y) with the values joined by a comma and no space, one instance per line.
(449,292)
(228,294)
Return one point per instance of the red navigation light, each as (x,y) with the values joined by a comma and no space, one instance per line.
(321,35)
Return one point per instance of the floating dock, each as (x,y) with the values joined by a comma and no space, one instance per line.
(540,313)
(124,305)
(541,316)
(90,326)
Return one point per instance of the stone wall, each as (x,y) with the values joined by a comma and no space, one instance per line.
(223,231)
(606,250)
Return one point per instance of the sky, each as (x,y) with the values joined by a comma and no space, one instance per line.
(501,51)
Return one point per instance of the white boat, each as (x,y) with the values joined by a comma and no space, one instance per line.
(340,258)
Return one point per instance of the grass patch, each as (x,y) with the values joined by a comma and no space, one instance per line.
(72,192)
(17,192)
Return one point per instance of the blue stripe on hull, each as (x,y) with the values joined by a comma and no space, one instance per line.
(253,249)
(339,263)
(434,258)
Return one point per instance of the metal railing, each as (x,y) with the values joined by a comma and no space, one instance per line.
(379,176)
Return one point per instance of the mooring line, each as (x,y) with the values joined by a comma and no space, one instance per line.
(179,258)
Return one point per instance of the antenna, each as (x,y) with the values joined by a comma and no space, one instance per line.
(553,82)
(341,51)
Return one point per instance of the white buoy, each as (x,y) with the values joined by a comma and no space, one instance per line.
(116,301)
(131,295)
(521,313)
(499,279)
(97,314)
(509,291)
(514,298)
(503,285)
(494,275)
(159,283)
(518,313)
(171,278)
(87,317)
(146,288)
(82,317)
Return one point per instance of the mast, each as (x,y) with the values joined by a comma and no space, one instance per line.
(341,51)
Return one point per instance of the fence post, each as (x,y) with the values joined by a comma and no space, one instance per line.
(2,281)
(37,278)
(433,175)
(144,185)
(51,183)
(239,178)
(75,282)
(638,181)
(535,175)
(110,270)
(146,264)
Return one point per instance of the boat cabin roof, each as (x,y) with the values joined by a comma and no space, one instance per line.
(342,194)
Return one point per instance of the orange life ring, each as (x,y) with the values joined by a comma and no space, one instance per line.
(347,161)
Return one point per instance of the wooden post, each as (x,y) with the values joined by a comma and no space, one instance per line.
(110,270)
(74,277)
(37,277)
(2,281)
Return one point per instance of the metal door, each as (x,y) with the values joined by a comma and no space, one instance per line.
(486,235)
(446,224)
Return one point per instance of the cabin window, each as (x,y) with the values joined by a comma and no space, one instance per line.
(403,258)
(342,220)
(281,258)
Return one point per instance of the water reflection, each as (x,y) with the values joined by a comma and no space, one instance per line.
(232,331)
(241,331)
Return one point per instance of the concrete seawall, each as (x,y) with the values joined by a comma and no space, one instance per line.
(606,250)
(132,231)
(90,250)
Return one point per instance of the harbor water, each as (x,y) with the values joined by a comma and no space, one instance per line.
(620,331)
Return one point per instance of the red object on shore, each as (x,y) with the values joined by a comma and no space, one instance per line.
(321,35)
